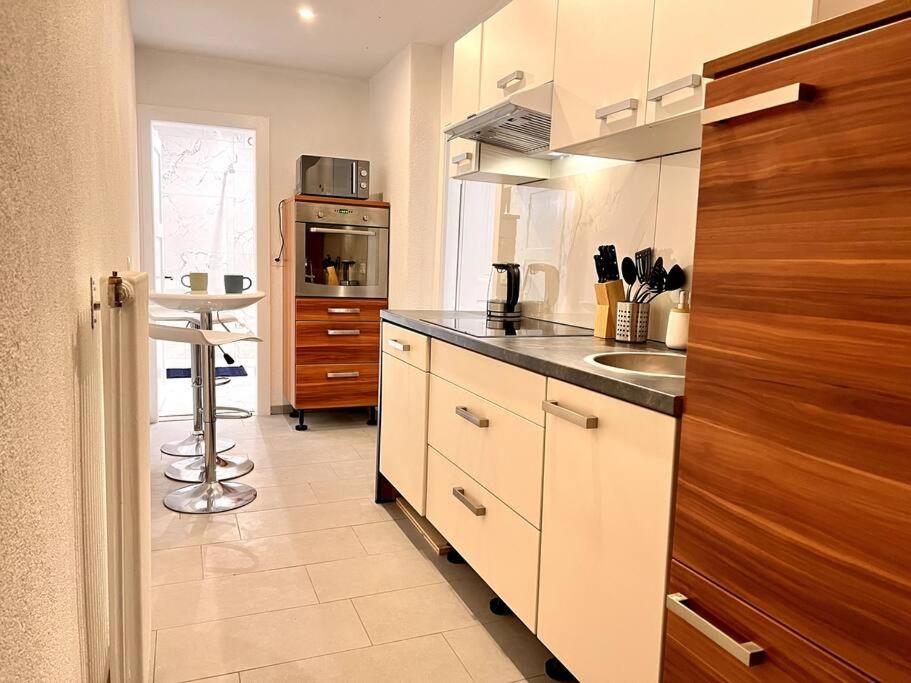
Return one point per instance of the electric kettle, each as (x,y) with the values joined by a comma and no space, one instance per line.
(503,293)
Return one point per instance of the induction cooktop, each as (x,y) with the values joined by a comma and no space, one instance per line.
(525,327)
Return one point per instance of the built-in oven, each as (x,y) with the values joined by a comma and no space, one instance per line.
(342,250)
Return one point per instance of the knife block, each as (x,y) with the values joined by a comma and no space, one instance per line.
(607,295)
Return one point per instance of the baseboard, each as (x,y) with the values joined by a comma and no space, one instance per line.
(281,410)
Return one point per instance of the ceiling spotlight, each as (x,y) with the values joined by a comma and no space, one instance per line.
(306,14)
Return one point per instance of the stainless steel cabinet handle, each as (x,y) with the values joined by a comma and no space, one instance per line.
(691,81)
(340,231)
(343,310)
(481,422)
(632,104)
(555,409)
(779,97)
(343,333)
(748,653)
(342,375)
(459,493)
(397,345)
(464,156)
(504,82)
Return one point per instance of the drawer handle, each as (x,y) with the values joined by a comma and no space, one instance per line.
(690,81)
(459,158)
(343,311)
(631,104)
(342,375)
(481,422)
(555,409)
(748,653)
(779,97)
(397,345)
(504,82)
(459,493)
(343,333)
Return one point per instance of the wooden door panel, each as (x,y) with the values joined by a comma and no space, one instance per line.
(795,462)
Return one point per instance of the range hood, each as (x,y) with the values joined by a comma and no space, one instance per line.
(520,124)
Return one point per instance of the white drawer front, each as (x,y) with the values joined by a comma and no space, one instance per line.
(502,451)
(407,345)
(501,546)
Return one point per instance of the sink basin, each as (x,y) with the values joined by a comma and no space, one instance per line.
(652,363)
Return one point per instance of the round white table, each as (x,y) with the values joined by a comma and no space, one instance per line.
(213,493)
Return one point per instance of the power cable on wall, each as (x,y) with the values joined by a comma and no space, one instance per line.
(281,231)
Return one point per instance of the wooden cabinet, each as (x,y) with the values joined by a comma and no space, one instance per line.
(403,437)
(407,345)
(795,459)
(687,34)
(600,68)
(518,38)
(466,74)
(608,486)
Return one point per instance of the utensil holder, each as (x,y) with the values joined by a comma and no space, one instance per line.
(607,295)
(632,322)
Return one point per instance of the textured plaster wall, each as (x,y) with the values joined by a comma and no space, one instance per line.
(67,211)
(405,144)
(308,114)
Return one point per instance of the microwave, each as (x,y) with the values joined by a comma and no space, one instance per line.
(331,177)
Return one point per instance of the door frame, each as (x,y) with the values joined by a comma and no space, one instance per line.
(147,113)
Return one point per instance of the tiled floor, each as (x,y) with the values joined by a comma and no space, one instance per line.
(313,581)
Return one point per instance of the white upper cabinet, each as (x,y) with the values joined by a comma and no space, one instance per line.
(685,35)
(466,74)
(600,68)
(518,49)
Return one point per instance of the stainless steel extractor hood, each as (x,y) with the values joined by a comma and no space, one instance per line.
(521,123)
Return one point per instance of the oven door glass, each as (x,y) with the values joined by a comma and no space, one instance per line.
(342,260)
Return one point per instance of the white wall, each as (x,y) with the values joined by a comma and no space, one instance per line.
(67,212)
(308,114)
(405,144)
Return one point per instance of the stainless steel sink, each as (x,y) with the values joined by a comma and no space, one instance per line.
(652,363)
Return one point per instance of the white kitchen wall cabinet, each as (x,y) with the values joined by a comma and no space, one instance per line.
(685,35)
(472,160)
(466,74)
(518,49)
(608,485)
(600,68)
(403,407)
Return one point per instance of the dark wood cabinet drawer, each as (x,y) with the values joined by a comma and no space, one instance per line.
(337,342)
(367,310)
(690,655)
(335,385)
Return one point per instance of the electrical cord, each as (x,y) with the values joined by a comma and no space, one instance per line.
(281,231)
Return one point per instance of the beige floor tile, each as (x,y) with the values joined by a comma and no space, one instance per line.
(372,574)
(273,457)
(258,640)
(355,469)
(476,595)
(501,651)
(412,612)
(281,496)
(383,537)
(193,530)
(419,660)
(178,604)
(311,518)
(343,489)
(176,564)
(298,474)
(274,552)
(227,678)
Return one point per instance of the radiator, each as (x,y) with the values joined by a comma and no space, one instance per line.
(125,349)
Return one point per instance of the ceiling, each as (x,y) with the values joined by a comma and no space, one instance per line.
(353,38)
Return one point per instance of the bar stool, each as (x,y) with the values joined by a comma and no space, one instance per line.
(210,494)
(192,445)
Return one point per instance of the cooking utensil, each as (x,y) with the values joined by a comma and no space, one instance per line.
(630,274)
(644,264)
(676,278)
(654,283)
(609,257)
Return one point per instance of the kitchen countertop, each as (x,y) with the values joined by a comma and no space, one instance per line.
(562,358)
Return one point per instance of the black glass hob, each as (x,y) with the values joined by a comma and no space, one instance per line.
(525,327)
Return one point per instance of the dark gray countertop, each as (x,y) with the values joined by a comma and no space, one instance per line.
(562,358)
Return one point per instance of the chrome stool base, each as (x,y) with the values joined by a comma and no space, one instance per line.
(194,471)
(205,498)
(195,445)
(230,413)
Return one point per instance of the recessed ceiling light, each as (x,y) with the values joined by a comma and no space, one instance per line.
(306,14)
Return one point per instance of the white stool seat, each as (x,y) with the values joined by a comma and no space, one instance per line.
(188,335)
(168,315)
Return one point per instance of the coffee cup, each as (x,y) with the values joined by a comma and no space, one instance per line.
(199,282)
(235,284)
